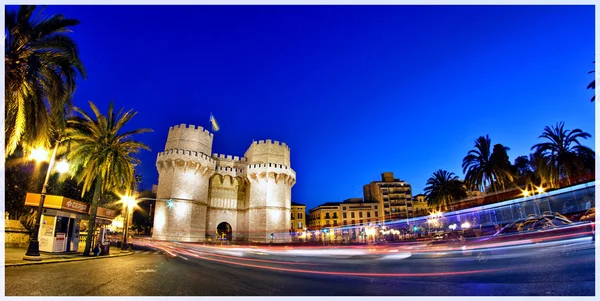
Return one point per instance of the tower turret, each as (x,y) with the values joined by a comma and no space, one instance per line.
(184,170)
(269,197)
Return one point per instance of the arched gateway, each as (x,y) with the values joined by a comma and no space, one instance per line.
(224,230)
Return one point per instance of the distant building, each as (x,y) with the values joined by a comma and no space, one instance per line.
(420,207)
(393,195)
(298,218)
(348,220)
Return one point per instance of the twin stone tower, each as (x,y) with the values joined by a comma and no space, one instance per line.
(202,196)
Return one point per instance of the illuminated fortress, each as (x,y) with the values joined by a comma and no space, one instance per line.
(203,196)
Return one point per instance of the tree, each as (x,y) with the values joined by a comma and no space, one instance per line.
(444,189)
(42,64)
(592,85)
(486,169)
(101,157)
(562,156)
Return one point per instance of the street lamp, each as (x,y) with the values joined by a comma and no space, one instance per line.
(128,203)
(40,155)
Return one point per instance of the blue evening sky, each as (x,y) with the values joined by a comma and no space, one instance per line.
(353,90)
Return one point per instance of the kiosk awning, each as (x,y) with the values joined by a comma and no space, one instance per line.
(57,202)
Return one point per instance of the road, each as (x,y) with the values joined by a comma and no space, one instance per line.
(195,270)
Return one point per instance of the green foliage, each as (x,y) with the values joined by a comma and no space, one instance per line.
(101,157)
(444,189)
(487,170)
(592,85)
(561,156)
(41,67)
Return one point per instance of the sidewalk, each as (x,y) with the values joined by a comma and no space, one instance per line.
(14,256)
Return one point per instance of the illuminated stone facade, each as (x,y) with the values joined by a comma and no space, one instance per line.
(198,193)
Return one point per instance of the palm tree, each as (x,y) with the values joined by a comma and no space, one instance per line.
(444,189)
(486,169)
(42,64)
(563,155)
(101,156)
(592,85)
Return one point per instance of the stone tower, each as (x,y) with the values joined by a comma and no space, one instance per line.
(269,195)
(184,170)
(217,196)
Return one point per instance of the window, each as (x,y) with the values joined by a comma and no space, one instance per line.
(376,214)
(335,215)
(368,214)
(344,214)
(299,225)
(335,222)
(360,214)
(327,215)
(361,222)
(299,215)
(353,222)
(292,216)
(352,214)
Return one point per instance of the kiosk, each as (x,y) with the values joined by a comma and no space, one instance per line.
(61,221)
(59,224)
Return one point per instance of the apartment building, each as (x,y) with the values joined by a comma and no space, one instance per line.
(393,195)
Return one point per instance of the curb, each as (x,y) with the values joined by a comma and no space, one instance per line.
(67,260)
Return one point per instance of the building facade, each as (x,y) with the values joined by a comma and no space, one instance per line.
(203,196)
(393,195)
(298,219)
(349,220)
(420,207)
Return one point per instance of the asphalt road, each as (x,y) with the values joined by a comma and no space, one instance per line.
(198,271)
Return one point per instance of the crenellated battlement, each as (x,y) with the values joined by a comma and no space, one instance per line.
(190,129)
(269,141)
(184,152)
(189,137)
(229,157)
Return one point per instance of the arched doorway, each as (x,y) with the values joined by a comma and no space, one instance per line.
(224,231)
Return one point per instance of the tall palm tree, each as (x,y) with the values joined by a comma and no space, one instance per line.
(444,189)
(592,85)
(101,156)
(486,169)
(41,67)
(562,154)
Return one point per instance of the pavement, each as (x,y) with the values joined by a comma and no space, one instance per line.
(14,256)
(207,271)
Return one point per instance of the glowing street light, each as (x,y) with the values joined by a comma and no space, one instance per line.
(62,166)
(525,193)
(41,155)
(540,190)
(129,203)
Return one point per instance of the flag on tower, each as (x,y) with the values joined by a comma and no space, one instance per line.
(213,121)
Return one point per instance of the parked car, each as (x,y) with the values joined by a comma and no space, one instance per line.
(534,229)
(589,216)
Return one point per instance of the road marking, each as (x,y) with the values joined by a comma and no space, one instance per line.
(146,271)
(156,252)
(182,257)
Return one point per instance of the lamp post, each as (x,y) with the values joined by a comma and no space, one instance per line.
(33,251)
(128,203)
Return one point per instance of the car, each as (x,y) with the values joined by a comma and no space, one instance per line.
(589,216)
(548,227)
(533,229)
